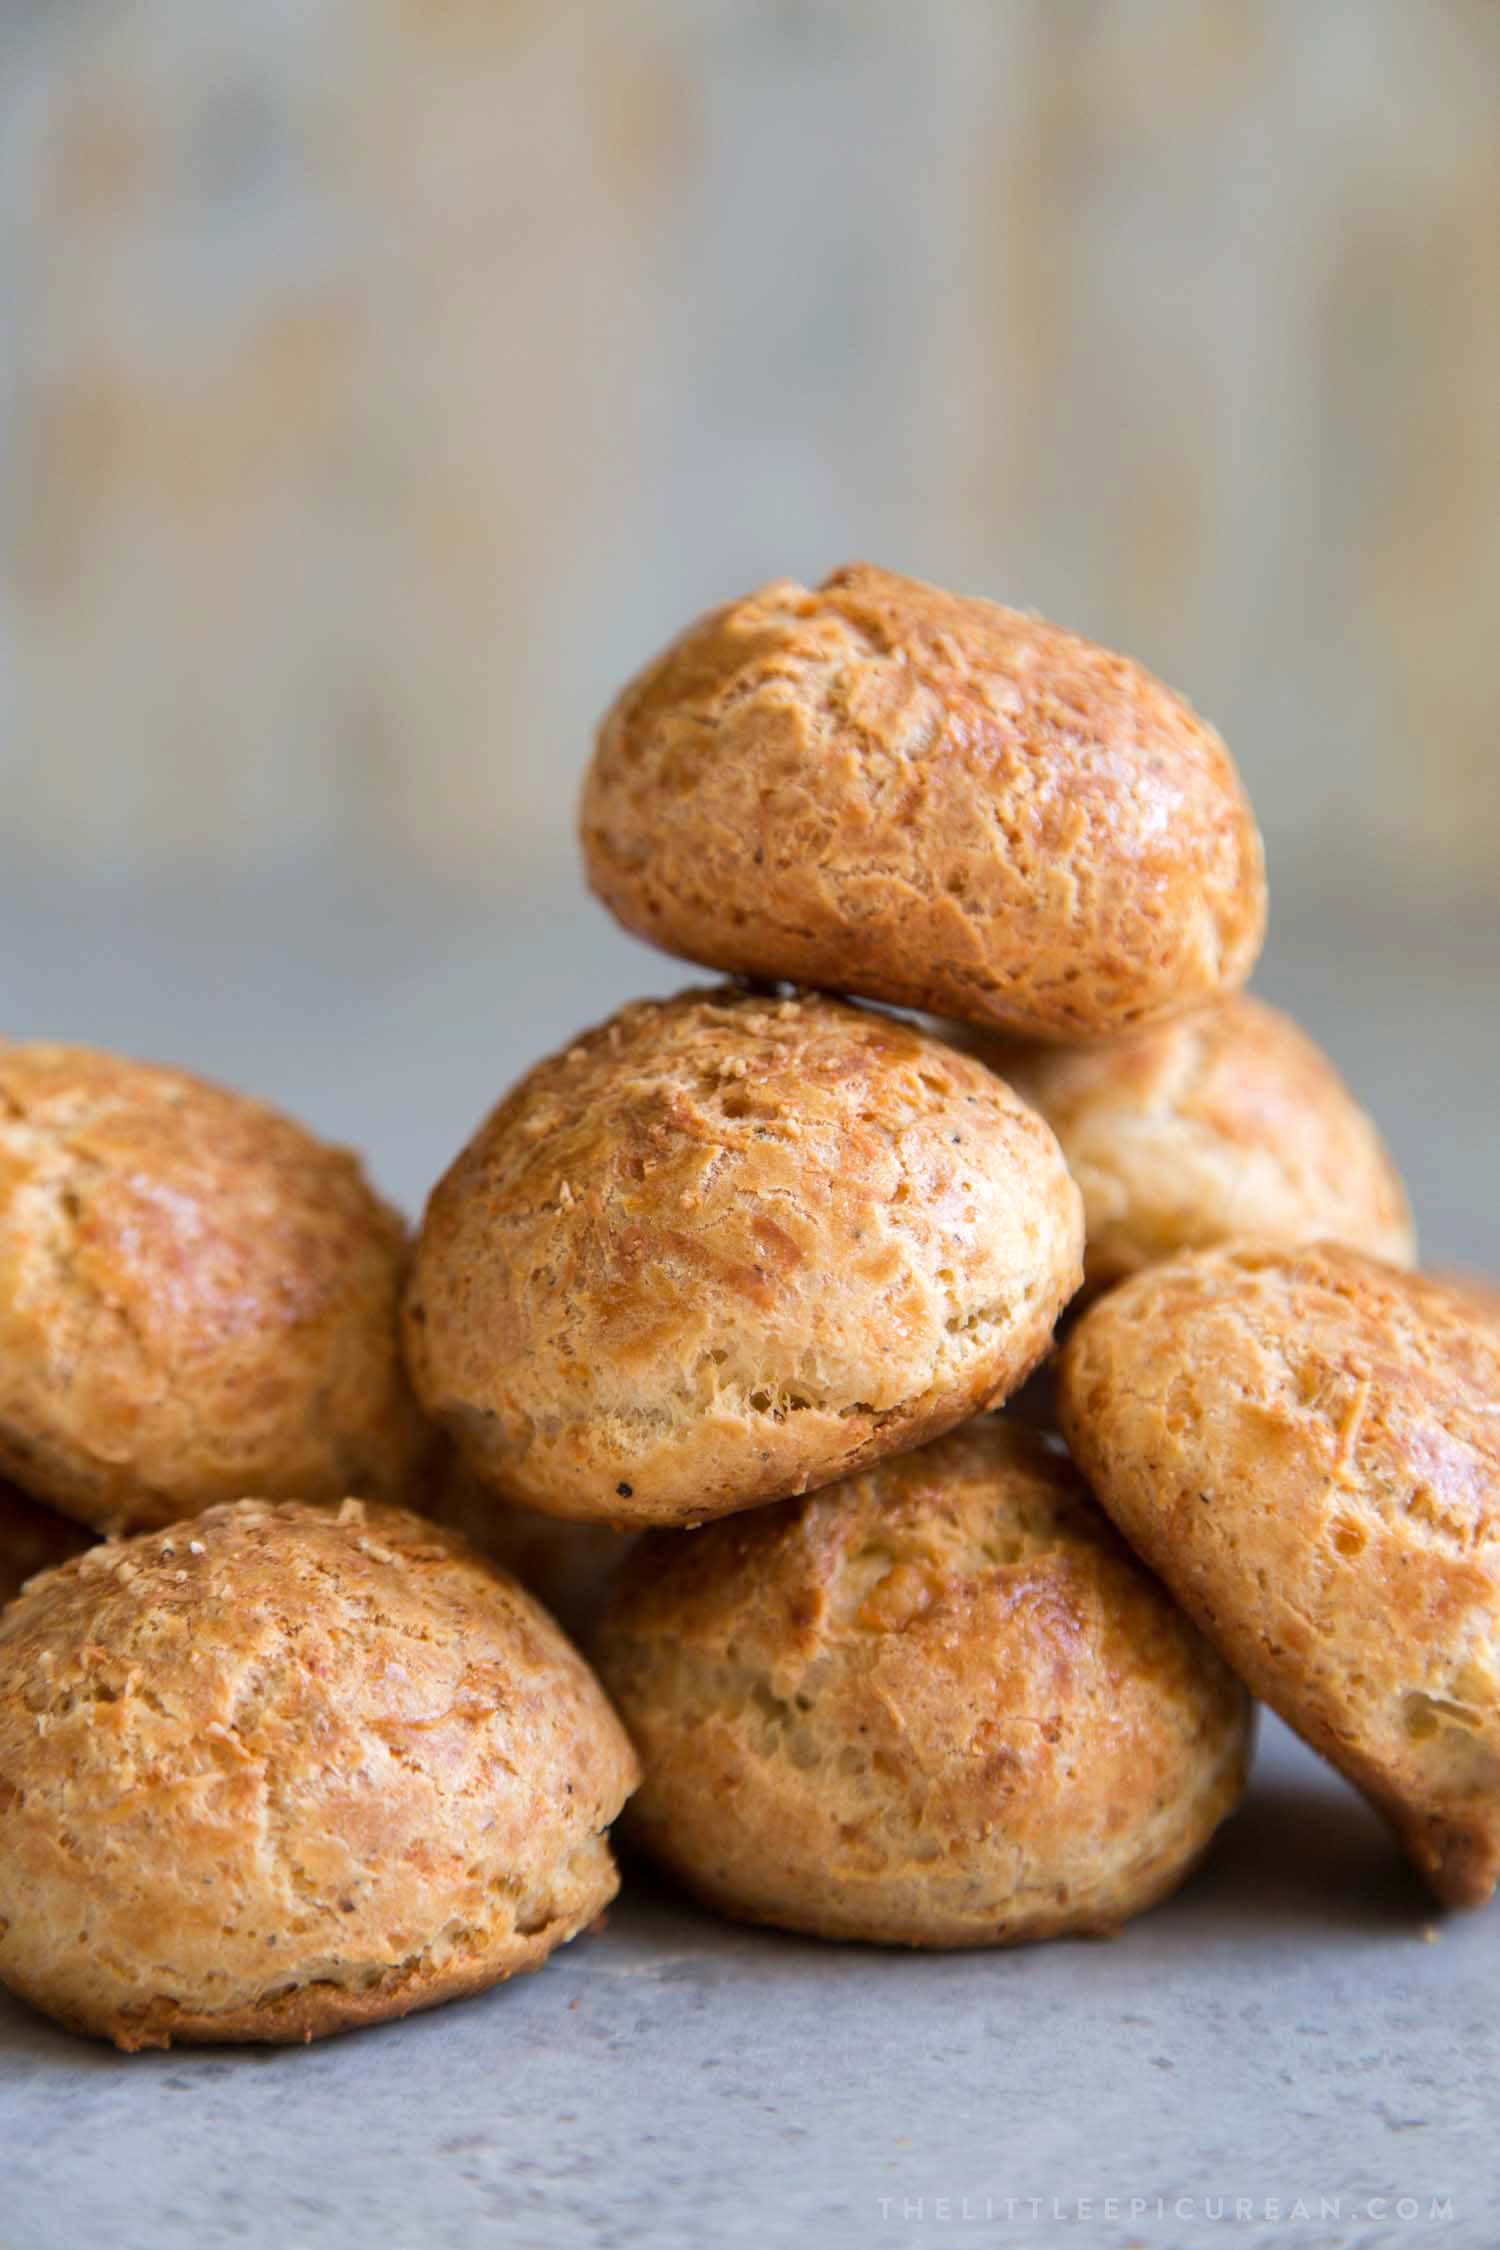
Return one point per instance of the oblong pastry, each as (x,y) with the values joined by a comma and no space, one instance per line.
(32,1538)
(937,1705)
(1227,1123)
(1306,1445)
(883,788)
(278,1771)
(197,1298)
(729,1247)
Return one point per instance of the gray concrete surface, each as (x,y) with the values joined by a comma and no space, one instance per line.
(1295,2053)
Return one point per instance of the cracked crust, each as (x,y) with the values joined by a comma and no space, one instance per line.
(882,788)
(197,1298)
(727,1248)
(938,1705)
(278,1771)
(32,1538)
(1306,1446)
(1230,1123)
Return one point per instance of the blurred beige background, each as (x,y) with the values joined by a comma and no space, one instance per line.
(381,383)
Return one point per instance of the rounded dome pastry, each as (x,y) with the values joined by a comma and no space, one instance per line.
(1305,1444)
(728,1247)
(279,1771)
(937,1705)
(197,1298)
(882,788)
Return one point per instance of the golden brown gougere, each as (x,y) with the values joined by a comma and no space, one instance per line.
(940,1704)
(728,1247)
(1305,1445)
(882,788)
(277,1771)
(197,1298)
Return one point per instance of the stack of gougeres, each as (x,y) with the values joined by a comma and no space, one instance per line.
(702,1338)
(278,1756)
(763,1259)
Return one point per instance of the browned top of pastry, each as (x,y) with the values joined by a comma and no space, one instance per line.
(279,1769)
(726,1247)
(938,1703)
(1306,1446)
(891,790)
(197,1298)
